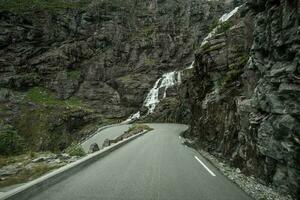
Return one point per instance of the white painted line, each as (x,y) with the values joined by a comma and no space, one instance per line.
(204,166)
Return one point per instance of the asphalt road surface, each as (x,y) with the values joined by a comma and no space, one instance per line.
(156,166)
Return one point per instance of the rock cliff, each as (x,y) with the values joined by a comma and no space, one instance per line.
(68,67)
(92,61)
(244,93)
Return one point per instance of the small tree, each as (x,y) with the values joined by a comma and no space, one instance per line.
(10,142)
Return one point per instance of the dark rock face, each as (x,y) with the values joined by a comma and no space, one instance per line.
(106,56)
(249,113)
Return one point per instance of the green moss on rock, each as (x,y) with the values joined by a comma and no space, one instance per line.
(45,97)
(74,75)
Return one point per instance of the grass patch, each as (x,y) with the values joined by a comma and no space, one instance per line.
(136,128)
(230,77)
(7,160)
(149,62)
(224,26)
(74,75)
(42,96)
(75,150)
(36,5)
(10,142)
(28,175)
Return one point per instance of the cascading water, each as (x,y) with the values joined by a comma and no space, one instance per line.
(154,96)
(222,19)
(132,117)
(191,66)
(162,84)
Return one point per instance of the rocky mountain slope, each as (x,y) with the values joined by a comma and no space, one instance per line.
(70,66)
(244,93)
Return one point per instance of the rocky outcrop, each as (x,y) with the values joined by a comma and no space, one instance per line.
(245,102)
(104,56)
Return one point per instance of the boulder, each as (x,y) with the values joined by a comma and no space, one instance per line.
(93,148)
(106,143)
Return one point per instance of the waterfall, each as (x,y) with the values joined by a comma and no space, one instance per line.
(132,117)
(154,96)
(227,16)
(162,84)
(191,66)
(173,78)
(222,19)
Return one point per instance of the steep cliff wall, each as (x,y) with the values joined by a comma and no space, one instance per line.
(244,101)
(93,61)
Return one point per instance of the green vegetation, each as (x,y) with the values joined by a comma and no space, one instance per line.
(230,77)
(205,46)
(28,174)
(32,5)
(224,26)
(149,62)
(49,123)
(126,78)
(213,25)
(75,150)
(74,75)
(147,31)
(42,96)
(7,160)
(136,128)
(10,142)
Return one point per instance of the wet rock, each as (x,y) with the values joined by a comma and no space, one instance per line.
(245,103)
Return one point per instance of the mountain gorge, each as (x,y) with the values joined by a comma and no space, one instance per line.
(95,63)
(67,70)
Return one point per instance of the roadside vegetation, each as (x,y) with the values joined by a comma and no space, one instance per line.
(27,174)
(136,128)
(10,142)
(36,5)
(75,150)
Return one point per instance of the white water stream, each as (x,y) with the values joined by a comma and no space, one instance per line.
(159,91)
(173,78)
(222,19)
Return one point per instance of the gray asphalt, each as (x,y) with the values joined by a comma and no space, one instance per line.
(109,133)
(155,166)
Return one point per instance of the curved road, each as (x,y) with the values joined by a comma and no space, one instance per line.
(155,166)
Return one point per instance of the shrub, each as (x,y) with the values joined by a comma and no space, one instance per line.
(224,26)
(138,128)
(10,142)
(75,150)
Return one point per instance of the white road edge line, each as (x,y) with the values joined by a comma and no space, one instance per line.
(204,166)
